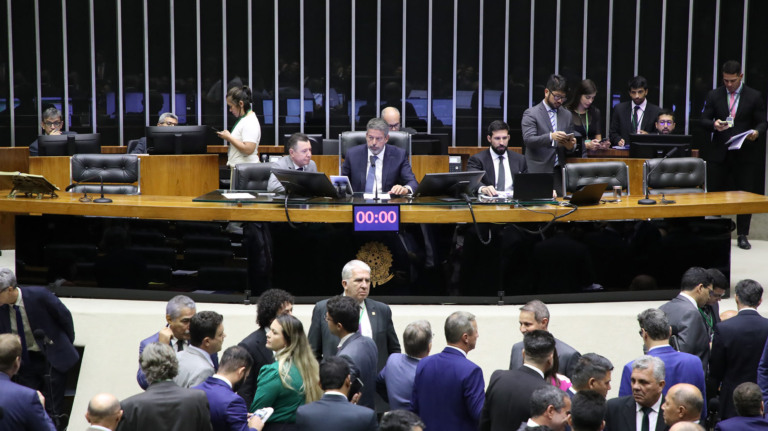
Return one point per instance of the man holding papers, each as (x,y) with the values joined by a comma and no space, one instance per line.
(731,110)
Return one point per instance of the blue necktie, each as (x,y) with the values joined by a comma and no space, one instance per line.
(371,179)
(553,121)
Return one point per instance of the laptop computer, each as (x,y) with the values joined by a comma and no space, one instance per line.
(589,194)
(536,187)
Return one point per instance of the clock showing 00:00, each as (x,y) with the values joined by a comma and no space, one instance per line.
(370,218)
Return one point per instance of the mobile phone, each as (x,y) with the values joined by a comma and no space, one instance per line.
(357,386)
(214,129)
(264,413)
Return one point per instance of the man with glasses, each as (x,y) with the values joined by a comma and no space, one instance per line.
(391,115)
(548,132)
(51,125)
(665,122)
(635,116)
(139,146)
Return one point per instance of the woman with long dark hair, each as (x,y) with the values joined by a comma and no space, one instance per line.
(586,116)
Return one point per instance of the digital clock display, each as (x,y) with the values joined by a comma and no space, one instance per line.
(376,218)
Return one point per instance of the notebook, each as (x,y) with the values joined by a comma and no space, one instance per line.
(534,187)
(589,194)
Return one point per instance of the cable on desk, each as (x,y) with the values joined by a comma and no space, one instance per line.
(287,217)
(474,221)
(540,231)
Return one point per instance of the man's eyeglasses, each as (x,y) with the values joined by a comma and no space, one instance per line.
(170,123)
(559,98)
(666,123)
(53,123)
(394,127)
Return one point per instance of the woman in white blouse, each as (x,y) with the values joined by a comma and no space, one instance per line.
(246,132)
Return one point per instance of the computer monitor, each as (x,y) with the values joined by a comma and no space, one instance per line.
(315,140)
(449,184)
(68,145)
(432,144)
(651,146)
(177,139)
(305,184)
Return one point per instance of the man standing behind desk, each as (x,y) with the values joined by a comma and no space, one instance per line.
(391,172)
(51,125)
(139,146)
(299,158)
(499,162)
(548,132)
(635,116)
(730,110)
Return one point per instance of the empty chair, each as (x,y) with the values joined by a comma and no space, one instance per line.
(251,176)
(120,173)
(675,175)
(578,175)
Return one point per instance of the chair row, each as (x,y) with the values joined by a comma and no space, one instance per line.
(673,176)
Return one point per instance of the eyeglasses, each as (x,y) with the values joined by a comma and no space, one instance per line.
(559,98)
(53,123)
(666,123)
(170,123)
(394,127)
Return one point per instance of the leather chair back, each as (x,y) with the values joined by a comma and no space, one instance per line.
(120,173)
(578,175)
(676,175)
(251,176)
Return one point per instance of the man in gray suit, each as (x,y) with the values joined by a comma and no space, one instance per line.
(206,335)
(333,411)
(299,158)
(103,413)
(548,132)
(689,332)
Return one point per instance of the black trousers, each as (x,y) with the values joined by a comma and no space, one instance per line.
(733,174)
(33,375)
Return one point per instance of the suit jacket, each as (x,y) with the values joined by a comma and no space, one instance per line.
(507,401)
(741,423)
(362,351)
(688,328)
(488,161)
(448,391)
(324,343)
(22,408)
(194,368)
(621,415)
(736,349)
(286,162)
(45,311)
(567,357)
(539,152)
(256,345)
(165,406)
(621,121)
(749,115)
(141,378)
(333,412)
(395,170)
(137,146)
(228,410)
(395,381)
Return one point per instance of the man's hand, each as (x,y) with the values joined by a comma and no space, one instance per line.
(55,132)
(620,143)
(41,398)
(399,190)
(356,398)
(255,422)
(164,336)
(569,143)
(489,190)
(721,125)
(642,132)
(752,136)
(560,137)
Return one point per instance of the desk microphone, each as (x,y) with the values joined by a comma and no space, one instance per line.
(647,200)
(375,186)
(85,198)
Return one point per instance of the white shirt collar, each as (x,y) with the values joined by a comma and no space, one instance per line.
(689,298)
(379,156)
(656,406)
(642,105)
(336,393)
(18,302)
(538,371)
(454,347)
(341,342)
(226,380)
(748,308)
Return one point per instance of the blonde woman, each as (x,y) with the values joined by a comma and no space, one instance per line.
(292,380)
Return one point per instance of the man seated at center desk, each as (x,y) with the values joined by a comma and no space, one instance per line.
(392,171)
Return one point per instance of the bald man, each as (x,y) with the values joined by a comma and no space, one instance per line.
(683,403)
(103,413)
(391,115)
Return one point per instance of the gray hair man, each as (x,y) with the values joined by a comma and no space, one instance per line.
(299,158)
(642,409)
(139,146)
(395,381)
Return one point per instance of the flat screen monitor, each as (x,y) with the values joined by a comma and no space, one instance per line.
(177,139)
(315,140)
(68,145)
(449,184)
(305,184)
(651,146)
(435,144)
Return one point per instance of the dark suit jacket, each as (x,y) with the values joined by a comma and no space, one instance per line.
(362,351)
(166,406)
(256,345)
(487,161)
(448,392)
(395,170)
(507,401)
(749,115)
(622,414)
(324,343)
(21,408)
(567,357)
(141,379)
(621,121)
(688,328)
(741,423)
(228,410)
(736,349)
(333,412)
(45,311)
(539,152)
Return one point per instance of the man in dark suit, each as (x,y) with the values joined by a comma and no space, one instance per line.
(51,124)
(587,411)
(749,406)
(343,317)
(720,285)
(507,401)
(640,411)
(635,116)
(548,132)
(451,403)
(333,411)
(499,163)
(228,410)
(549,407)
(299,158)
(682,403)
(139,146)
(737,346)
(164,405)
(689,332)
(272,303)
(45,328)
(104,412)
(730,110)
(591,373)
(535,315)
(22,406)
(392,169)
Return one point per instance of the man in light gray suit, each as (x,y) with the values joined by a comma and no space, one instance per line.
(548,132)
(103,413)
(206,335)
(299,157)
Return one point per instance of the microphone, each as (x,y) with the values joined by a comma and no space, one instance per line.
(41,338)
(85,198)
(647,200)
(375,186)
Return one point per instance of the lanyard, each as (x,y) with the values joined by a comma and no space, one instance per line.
(238,120)
(586,124)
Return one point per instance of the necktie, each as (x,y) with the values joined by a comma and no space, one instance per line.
(371,179)
(731,105)
(300,168)
(707,318)
(634,119)
(180,345)
(21,334)
(500,183)
(646,425)
(553,121)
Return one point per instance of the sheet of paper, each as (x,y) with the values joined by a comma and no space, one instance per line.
(238,195)
(735,142)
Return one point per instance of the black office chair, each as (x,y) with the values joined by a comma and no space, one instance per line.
(675,176)
(121,173)
(348,140)
(251,176)
(578,175)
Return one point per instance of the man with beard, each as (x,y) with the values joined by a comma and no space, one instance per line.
(665,122)
(499,163)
